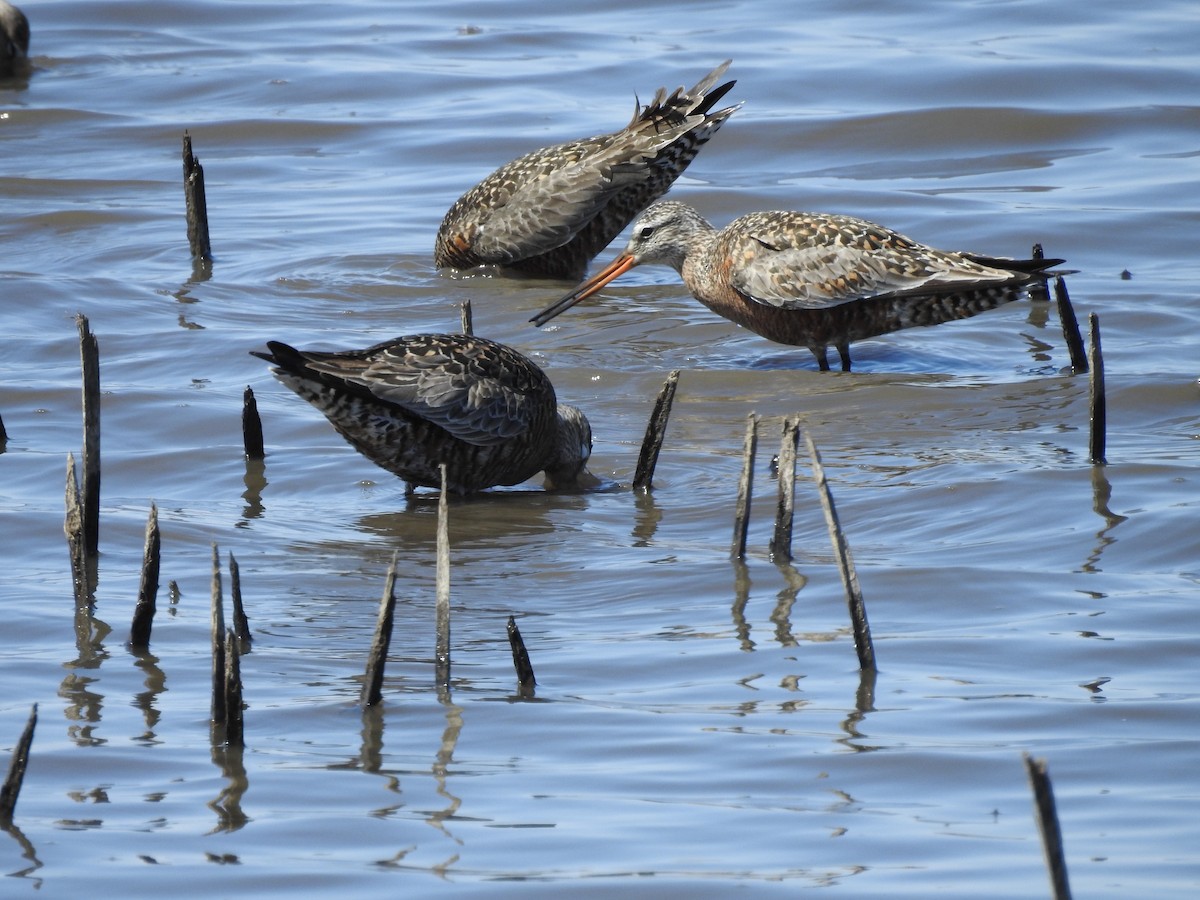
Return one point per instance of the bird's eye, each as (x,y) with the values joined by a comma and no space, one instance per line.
(644,233)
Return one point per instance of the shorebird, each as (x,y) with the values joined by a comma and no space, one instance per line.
(810,279)
(14,38)
(551,211)
(485,410)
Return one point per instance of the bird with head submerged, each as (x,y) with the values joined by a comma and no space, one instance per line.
(551,211)
(486,411)
(14,39)
(811,279)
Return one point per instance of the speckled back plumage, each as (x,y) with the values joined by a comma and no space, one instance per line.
(485,410)
(551,211)
(812,279)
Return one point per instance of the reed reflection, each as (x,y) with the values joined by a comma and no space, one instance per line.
(255,480)
(84,705)
(28,851)
(441,769)
(147,700)
(228,803)
(1101,497)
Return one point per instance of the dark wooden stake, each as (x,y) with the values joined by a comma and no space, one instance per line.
(73,527)
(1070,327)
(656,432)
(241,625)
(741,515)
(781,542)
(89,355)
(143,611)
(234,733)
(1047,817)
(525,679)
(218,642)
(11,788)
(854,598)
(467,325)
(1096,403)
(442,603)
(197,203)
(252,433)
(372,691)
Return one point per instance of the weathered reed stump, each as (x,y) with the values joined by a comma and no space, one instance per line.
(441,653)
(82,567)
(1070,327)
(468,326)
(11,787)
(241,625)
(525,679)
(197,203)
(252,430)
(232,688)
(1097,406)
(89,357)
(863,645)
(741,515)
(217,623)
(781,539)
(1047,818)
(143,611)
(656,432)
(372,690)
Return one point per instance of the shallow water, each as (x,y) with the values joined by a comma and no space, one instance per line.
(698,726)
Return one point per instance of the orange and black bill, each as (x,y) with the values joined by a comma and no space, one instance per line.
(616,268)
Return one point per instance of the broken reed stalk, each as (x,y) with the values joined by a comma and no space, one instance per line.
(3,433)
(252,433)
(465,310)
(741,515)
(520,655)
(781,541)
(143,611)
(241,625)
(73,527)
(1047,817)
(232,691)
(656,432)
(1096,404)
(218,642)
(89,357)
(372,691)
(1070,327)
(442,603)
(196,202)
(11,788)
(854,598)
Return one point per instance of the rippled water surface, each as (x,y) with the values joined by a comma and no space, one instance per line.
(699,727)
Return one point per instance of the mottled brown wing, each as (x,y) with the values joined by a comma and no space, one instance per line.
(802,261)
(543,203)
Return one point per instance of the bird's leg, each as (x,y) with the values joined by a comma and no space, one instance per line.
(844,352)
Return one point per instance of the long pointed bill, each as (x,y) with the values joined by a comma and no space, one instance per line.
(616,268)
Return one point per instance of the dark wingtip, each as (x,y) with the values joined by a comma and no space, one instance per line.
(280,354)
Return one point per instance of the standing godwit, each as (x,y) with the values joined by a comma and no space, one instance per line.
(14,38)
(485,410)
(812,280)
(551,211)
